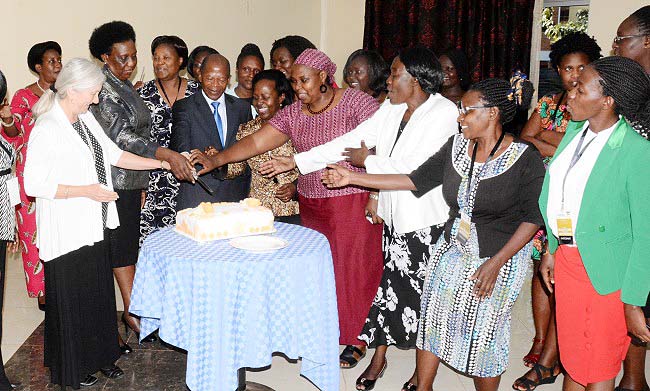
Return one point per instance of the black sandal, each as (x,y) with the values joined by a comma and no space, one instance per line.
(347,356)
(408,386)
(88,381)
(532,384)
(369,384)
(112,371)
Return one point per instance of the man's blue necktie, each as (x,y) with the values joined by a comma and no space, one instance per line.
(217,119)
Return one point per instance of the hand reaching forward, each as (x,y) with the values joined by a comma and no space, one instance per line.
(180,166)
(211,151)
(357,156)
(336,176)
(285,192)
(208,162)
(277,165)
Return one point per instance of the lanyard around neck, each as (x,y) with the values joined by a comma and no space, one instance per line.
(577,154)
(471,165)
(162,88)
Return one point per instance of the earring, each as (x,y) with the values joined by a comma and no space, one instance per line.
(323,88)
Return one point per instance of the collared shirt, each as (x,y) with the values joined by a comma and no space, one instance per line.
(222,112)
(577,178)
(231,91)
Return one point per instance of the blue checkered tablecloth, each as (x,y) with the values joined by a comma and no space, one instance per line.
(229,308)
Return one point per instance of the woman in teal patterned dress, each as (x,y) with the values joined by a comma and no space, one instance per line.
(491,182)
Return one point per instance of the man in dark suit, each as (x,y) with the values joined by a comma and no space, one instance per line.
(210,118)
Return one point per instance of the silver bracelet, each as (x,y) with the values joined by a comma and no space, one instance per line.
(374,196)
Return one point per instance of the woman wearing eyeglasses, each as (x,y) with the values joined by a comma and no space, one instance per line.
(633,38)
(126,120)
(633,41)
(491,182)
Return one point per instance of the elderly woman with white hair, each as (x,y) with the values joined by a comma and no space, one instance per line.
(68,172)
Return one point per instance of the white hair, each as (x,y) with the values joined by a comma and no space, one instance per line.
(77,74)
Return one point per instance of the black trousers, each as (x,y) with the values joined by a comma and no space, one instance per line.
(5,385)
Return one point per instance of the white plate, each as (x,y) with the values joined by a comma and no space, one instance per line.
(259,244)
(214,240)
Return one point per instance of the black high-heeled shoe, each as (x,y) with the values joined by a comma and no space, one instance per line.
(369,384)
(408,386)
(149,338)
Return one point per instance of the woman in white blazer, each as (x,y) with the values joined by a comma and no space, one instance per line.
(68,172)
(405,132)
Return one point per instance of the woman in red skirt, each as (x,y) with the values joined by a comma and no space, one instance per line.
(594,201)
(322,113)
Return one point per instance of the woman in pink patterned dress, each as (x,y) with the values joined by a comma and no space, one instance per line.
(45,60)
(322,113)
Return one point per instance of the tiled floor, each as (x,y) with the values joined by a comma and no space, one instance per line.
(158,368)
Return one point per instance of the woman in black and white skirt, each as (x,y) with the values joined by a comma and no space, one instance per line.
(416,123)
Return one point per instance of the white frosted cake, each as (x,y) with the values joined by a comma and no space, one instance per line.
(223,220)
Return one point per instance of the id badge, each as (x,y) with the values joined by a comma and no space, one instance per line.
(565,228)
(464,229)
(13,190)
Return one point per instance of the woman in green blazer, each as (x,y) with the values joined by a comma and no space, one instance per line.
(594,202)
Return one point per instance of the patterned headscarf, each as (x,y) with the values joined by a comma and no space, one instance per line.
(316,59)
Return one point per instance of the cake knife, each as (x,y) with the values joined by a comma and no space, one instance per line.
(197,178)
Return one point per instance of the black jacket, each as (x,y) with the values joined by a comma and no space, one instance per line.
(127,121)
(193,127)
